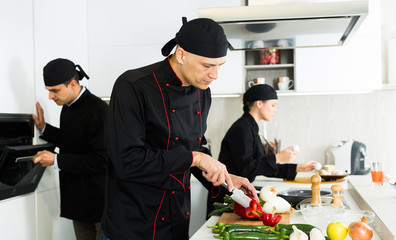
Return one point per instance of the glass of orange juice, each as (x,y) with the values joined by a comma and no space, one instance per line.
(377,173)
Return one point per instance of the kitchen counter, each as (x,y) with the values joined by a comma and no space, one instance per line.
(358,194)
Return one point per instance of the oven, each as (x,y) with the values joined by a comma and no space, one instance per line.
(18,174)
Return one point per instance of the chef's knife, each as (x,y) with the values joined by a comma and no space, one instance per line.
(24,159)
(239,196)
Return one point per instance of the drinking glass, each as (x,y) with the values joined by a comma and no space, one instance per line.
(377,173)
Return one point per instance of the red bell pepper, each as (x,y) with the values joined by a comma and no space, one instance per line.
(271,219)
(255,211)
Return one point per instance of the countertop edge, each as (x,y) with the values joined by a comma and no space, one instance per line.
(358,187)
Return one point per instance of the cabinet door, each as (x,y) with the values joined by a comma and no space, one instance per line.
(356,66)
(126,34)
(230,76)
(353,67)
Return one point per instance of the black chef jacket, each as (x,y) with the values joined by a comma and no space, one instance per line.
(243,153)
(82,157)
(155,124)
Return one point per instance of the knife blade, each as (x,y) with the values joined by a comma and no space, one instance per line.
(239,196)
(24,159)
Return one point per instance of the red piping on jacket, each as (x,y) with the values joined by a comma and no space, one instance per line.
(166,114)
(174,71)
(156,216)
(200,116)
(182,183)
(211,192)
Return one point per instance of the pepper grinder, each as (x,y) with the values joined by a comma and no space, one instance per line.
(338,190)
(315,180)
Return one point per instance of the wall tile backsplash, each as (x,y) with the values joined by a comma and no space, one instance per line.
(316,121)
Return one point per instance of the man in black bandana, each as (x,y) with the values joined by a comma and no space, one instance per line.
(157,122)
(82,147)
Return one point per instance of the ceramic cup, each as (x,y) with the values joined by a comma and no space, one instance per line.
(256,81)
(285,83)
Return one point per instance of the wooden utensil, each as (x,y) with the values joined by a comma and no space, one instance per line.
(338,190)
(316,179)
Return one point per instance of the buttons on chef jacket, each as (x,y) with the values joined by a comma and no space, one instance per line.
(187,213)
(173,192)
(198,113)
(189,187)
(199,139)
(173,110)
(176,138)
(167,84)
(163,219)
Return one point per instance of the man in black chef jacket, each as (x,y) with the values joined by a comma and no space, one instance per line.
(82,147)
(157,121)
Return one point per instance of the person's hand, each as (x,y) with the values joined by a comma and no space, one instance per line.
(45,158)
(213,170)
(286,156)
(306,166)
(244,184)
(39,119)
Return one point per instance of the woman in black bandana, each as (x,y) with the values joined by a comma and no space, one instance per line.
(242,150)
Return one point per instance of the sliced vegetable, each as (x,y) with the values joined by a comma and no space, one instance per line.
(271,219)
(253,211)
(277,205)
(268,192)
(360,230)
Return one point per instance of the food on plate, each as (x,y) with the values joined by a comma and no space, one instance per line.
(338,172)
(316,234)
(318,166)
(268,192)
(360,230)
(323,172)
(298,234)
(277,205)
(336,231)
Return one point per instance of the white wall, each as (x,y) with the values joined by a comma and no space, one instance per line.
(33,33)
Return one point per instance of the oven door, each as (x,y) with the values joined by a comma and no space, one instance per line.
(18,174)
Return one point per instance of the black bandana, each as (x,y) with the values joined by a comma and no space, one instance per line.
(201,36)
(61,70)
(259,92)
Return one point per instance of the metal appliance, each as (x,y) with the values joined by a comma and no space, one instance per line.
(289,25)
(18,174)
(348,156)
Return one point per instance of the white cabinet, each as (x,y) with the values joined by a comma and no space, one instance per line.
(126,34)
(356,66)
(18,217)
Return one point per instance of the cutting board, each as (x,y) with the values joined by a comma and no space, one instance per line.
(307,180)
(235,219)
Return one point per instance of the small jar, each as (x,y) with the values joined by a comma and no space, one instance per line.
(269,56)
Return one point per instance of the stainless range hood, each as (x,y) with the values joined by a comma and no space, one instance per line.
(289,25)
